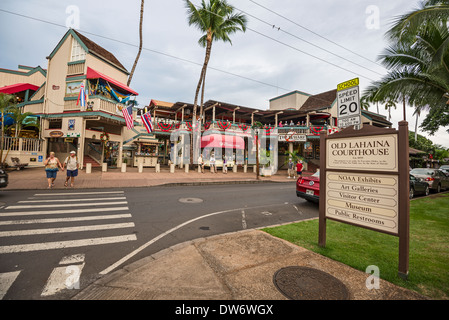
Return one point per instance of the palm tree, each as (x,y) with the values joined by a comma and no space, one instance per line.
(7,101)
(21,120)
(418,59)
(388,105)
(142,4)
(364,103)
(256,127)
(217,21)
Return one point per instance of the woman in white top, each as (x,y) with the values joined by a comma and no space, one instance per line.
(72,168)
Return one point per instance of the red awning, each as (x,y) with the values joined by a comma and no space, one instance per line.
(222,141)
(93,74)
(18,87)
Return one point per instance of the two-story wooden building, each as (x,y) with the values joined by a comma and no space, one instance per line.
(66,125)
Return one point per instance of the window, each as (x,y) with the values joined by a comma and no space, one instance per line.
(78,52)
(55,124)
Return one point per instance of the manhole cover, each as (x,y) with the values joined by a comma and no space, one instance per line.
(303,283)
(190,200)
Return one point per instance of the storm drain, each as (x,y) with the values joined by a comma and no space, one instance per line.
(303,283)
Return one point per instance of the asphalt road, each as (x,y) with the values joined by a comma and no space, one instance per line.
(49,239)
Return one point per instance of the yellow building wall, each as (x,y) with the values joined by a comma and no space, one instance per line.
(56,78)
(7,79)
(105,68)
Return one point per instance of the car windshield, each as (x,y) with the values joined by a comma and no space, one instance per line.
(316,174)
(423,171)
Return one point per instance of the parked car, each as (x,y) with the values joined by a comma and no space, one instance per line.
(418,187)
(3,178)
(309,187)
(436,178)
(445,168)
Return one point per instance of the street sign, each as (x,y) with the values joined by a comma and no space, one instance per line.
(348,103)
(364,181)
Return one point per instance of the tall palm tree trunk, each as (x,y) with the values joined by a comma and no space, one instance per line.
(142,4)
(198,88)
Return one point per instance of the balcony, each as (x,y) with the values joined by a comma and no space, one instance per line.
(75,68)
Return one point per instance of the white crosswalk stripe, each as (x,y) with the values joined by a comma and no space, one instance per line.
(76,213)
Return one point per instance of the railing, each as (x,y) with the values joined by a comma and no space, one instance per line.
(171,125)
(104,104)
(22,144)
(74,68)
(70,105)
(94,153)
(34,108)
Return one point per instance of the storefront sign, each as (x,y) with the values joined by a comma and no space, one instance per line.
(364,181)
(292,137)
(56,134)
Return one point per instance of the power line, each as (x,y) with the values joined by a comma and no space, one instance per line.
(148,49)
(308,42)
(313,32)
(292,47)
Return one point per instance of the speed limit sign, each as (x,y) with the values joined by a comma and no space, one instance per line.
(348,103)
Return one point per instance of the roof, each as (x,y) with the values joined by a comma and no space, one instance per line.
(415,151)
(319,101)
(92,48)
(376,117)
(93,74)
(99,51)
(18,87)
(158,103)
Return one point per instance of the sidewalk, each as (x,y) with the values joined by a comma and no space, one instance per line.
(235,266)
(238,265)
(34,178)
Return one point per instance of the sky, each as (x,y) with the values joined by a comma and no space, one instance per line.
(273,57)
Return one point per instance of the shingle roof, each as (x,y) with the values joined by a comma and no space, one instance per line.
(319,101)
(99,51)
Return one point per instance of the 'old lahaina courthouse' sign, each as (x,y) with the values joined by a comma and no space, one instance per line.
(364,181)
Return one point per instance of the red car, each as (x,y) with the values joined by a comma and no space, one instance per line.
(309,187)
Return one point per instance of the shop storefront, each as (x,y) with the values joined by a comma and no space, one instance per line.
(146,152)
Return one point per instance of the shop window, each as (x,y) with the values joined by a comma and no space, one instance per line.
(308,150)
(55,124)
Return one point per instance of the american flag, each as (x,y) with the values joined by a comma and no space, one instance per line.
(146,119)
(128,115)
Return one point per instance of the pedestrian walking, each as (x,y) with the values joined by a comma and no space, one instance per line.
(225,165)
(299,168)
(201,163)
(52,165)
(212,164)
(72,168)
(290,167)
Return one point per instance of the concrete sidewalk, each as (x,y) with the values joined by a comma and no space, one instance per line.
(35,178)
(236,266)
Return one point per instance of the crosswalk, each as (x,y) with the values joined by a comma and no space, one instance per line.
(66,219)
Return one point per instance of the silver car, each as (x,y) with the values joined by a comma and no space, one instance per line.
(436,178)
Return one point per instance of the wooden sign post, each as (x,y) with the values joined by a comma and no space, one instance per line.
(364,181)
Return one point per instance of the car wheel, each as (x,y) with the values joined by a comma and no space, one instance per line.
(412,193)
(427,191)
(439,188)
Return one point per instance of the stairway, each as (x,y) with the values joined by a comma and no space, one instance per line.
(89,159)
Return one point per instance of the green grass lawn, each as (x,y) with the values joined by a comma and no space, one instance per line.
(359,247)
